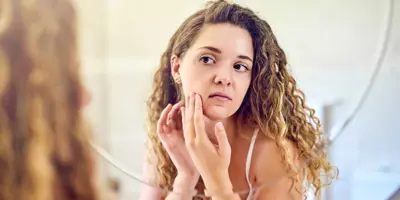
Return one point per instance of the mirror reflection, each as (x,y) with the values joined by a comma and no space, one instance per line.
(201,100)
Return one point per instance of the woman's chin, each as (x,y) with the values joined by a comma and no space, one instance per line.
(216,114)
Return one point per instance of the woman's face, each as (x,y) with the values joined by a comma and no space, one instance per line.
(218,67)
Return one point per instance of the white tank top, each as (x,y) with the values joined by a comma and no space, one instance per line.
(248,163)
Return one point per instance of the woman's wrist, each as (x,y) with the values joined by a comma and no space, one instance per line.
(220,186)
(224,190)
(185,184)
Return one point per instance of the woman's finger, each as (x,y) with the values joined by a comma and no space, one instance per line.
(166,130)
(163,118)
(223,143)
(183,110)
(198,119)
(189,126)
(171,119)
(187,102)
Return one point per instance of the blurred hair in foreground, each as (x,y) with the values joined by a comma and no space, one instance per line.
(44,141)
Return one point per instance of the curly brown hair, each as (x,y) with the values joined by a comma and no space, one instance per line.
(44,140)
(273,102)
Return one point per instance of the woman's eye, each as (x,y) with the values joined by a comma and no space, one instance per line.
(241,68)
(207,60)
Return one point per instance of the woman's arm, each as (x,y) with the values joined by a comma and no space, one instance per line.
(270,170)
(148,191)
(183,188)
(282,189)
(222,190)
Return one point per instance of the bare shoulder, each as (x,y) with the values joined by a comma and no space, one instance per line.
(269,156)
(271,172)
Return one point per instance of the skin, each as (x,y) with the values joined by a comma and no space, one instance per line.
(87,97)
(202,136)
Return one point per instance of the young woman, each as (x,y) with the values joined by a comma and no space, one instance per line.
(44,141)
(226,115)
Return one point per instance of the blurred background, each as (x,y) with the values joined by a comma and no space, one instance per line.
(332,47)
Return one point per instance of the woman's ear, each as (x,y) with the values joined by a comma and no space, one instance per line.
(175,64)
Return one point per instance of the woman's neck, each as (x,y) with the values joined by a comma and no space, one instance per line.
(231,128)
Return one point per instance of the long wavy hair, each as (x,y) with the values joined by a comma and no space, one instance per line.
(273,102)
(44,140)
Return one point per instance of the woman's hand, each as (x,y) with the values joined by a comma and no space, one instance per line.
(169,129)
(212,162)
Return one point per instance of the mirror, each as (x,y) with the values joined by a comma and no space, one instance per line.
(332,56)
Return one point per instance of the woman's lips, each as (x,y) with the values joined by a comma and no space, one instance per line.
(220,96)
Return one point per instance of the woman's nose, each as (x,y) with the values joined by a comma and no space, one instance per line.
(223,76)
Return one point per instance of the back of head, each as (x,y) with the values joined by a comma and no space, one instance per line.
(44,143)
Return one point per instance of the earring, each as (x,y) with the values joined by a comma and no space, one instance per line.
(177,79)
